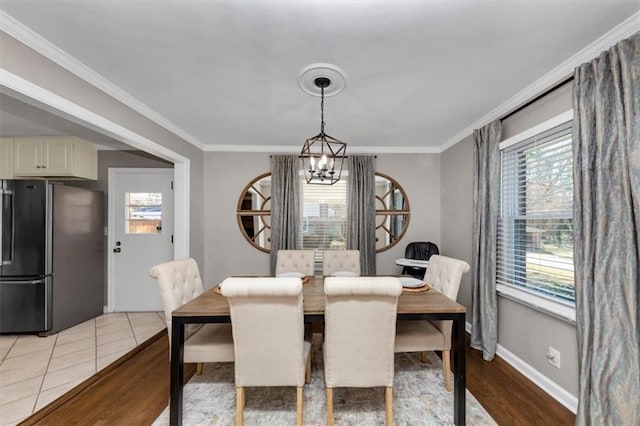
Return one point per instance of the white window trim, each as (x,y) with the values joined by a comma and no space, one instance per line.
(536,130)
(565,311)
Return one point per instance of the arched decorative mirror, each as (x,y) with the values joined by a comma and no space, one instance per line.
(254,210)
(392,212)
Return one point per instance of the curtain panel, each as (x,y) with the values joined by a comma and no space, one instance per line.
(606,211)
(486,201)
(285,205)
(361,213)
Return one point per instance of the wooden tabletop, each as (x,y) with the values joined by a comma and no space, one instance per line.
(427,302)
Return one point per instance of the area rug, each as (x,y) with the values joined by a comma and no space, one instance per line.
(419,398)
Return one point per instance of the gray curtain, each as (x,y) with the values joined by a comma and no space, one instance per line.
(606,213)
(361,213)
(486,200)
(285,205)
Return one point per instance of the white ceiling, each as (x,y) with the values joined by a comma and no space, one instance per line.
(225,72)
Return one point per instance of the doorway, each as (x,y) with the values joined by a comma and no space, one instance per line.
(141,218)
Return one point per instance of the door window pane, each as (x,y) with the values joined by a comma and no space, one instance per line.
(143,213)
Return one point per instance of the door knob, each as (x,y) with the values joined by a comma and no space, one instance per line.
(117,250)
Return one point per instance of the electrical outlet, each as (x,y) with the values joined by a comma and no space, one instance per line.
(553,356)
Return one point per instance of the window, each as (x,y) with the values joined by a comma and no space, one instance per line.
(143,212)
(535,226)
(324,215)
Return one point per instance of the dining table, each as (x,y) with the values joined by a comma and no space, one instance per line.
(210,307)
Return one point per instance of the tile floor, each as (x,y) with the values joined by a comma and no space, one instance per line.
(36,370)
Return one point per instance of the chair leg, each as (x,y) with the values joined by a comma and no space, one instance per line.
(199,369)
(307,373)
(329,406)
(388,399)
(423,357)
(239,405)
(446,370)
(299,400)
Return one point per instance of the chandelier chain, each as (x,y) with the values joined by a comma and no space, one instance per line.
(322,110)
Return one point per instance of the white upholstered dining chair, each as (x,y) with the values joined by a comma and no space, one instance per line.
(360,325)
(179,282)
(271,348)
(292,261)
(341,263)
(443,274)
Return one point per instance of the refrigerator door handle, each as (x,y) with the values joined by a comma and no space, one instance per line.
(23,282)
(6,217)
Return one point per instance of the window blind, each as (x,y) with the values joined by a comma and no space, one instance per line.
(324,216)
(535,226)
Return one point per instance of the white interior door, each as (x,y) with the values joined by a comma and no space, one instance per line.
(141,234)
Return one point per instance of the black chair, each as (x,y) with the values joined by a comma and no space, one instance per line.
(418,250)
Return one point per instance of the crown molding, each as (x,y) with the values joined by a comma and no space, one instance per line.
(35,41)
(351,149)
(623,30)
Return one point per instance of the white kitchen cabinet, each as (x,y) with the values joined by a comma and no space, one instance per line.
(6,158)
(54,156)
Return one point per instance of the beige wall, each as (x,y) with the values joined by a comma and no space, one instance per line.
(228,253)
(19,59)
(419,175)
(457,214)
(522,330)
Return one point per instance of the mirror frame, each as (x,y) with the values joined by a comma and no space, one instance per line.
(240,213)
(261,213)
(385,211)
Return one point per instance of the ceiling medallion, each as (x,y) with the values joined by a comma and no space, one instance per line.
(308,75)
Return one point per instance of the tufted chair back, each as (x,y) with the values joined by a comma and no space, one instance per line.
(268,330)
(179,282)
(444,274)
(359,335)
(360,328)
(270,345)
(296,261)
(340,261)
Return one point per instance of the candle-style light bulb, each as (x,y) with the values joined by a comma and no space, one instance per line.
(312,161)
(331,164)
(324,159)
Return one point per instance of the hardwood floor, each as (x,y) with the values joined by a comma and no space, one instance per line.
(509,397)
(136,390)
(132,392)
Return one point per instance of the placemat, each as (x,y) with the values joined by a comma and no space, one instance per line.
(416,289)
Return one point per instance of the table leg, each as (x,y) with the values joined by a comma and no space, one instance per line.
(177,371)
(459,370)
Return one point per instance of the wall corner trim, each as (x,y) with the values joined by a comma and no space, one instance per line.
(557,392)
(626,28)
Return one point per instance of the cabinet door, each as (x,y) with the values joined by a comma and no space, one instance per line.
(27,155)
(6,158)
(58,156)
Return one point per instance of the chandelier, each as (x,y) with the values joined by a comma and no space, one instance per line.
(322,155)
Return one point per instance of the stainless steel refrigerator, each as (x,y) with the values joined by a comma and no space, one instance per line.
(51,256)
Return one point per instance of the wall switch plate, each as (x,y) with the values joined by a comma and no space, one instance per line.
(553,356)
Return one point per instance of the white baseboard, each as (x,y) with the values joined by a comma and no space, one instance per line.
(557,392)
